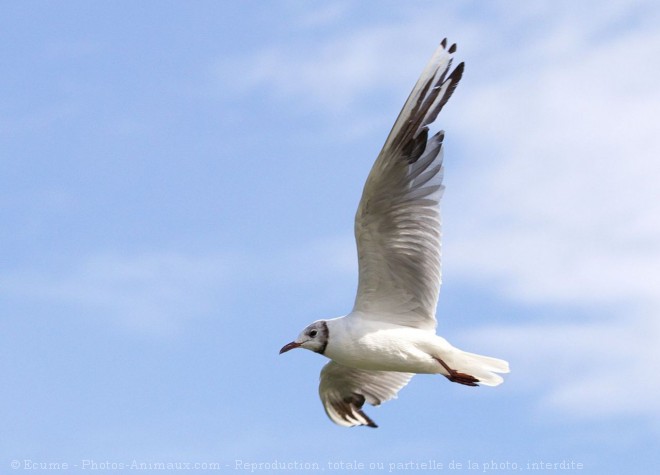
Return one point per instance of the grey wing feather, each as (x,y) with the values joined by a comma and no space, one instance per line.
(344,391)
(397,224)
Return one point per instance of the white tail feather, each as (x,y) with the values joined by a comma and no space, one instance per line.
(484,368)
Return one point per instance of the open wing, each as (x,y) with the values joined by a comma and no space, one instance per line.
(397,225)
(344,391)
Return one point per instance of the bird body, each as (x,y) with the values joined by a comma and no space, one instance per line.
(390,334)
(384,347)
(369,344)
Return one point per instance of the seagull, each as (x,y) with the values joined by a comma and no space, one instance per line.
(390,335)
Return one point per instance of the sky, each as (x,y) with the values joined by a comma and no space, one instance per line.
(178,182)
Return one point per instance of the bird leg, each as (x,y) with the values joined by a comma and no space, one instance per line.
(457,377)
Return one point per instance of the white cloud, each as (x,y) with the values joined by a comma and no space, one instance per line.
(318,16)
(332,75)
(160,292)
(562,207)
(595,369)
(339,76)
(150,293)
(568,200)
(33,121)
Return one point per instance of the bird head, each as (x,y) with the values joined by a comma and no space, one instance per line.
(313,338)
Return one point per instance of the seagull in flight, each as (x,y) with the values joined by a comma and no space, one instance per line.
(390,335)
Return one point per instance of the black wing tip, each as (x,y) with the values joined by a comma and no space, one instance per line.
(451,49)
(356,403)
(455,77)
(349,416)
(457,73)
(370,422)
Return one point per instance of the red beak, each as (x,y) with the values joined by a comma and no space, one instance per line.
(289,346)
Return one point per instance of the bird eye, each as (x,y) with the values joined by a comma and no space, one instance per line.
(313,333)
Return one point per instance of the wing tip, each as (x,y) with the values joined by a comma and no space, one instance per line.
(369,422)
(451,50)
(348,412)
(457,73)
(354,406)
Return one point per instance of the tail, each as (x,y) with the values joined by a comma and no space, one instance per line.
(484,368)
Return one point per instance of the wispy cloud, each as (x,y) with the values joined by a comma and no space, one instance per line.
(38,119)
(564,209)
(336,75)
(568,201)
(332,75)
(152,293)
(161,292)
(601,368)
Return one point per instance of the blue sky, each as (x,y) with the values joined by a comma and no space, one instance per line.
(177,187)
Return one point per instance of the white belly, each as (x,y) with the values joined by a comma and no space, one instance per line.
(395,349)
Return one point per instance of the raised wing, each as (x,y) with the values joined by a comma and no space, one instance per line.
(344,391)
(397,225)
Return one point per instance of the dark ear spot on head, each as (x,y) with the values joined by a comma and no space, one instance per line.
(323,337)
